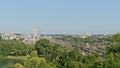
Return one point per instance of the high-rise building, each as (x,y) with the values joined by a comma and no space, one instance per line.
(34,32)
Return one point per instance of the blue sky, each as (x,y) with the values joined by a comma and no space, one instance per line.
(60,16)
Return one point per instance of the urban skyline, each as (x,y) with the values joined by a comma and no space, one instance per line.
(59,34)
(35,32)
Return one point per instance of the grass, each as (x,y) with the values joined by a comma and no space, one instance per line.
(18,57)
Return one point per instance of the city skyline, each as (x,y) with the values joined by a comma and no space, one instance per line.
(60,17)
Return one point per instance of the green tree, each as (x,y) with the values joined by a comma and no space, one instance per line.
(44,48)
(115,38)
(74,54)
(36,62)
(17,65)
(34,53)
(113,49)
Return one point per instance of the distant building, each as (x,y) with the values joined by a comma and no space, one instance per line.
(85,35)
(26,38)
(34,32)
(9,36)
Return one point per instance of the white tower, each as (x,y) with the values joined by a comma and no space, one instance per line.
(34,33)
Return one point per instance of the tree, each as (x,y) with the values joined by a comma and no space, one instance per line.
(115,38)
(36,62)
(17,65)
(0,37)
(113,49)
(58,50)
(44,49)
(74,54)
(34,53)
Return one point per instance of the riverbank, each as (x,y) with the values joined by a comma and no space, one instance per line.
(15,57)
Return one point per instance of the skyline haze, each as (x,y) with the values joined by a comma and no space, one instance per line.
(60,17)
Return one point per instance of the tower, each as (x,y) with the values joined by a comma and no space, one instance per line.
(34,32)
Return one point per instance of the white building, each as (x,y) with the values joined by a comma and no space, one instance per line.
(34,32)
(9,36)
(85,35)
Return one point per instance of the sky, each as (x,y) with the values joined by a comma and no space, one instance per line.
(60,16)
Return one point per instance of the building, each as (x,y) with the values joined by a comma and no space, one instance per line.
(34,33)
(85,35)
(9,36)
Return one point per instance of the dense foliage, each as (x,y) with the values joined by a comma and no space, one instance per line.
(45,54)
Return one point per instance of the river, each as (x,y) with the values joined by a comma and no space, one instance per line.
(6,62)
